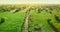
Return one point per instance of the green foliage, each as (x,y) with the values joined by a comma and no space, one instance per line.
(41,18)
(12,22)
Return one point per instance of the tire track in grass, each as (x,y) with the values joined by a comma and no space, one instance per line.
(25,24)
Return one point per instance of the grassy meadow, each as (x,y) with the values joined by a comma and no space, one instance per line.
(39,18)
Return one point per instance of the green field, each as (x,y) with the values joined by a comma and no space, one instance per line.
(40,19)
(13,22)
(44,20)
